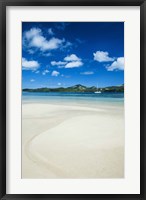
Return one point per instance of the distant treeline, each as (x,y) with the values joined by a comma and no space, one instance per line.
(77,88)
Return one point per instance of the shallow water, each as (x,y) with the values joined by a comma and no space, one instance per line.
(73,98)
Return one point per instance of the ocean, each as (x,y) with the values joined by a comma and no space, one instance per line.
(110,98)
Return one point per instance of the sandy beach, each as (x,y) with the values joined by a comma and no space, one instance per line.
(72,141)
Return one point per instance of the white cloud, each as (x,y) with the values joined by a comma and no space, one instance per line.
(67,45)
(38,41)
(43,44)
(32,32)
(59,83)
(73,64)
(37,72)
(50,31)
(53,63)
(116,65)
(29,65)
(32,80)
(55,73)
(87,73)
(30,51)
(45,72)
(46,54)
(71,61)
(102,56)
(53,43)
(72,57)
(34,38)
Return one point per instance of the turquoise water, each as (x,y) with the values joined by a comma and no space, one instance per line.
(66,97)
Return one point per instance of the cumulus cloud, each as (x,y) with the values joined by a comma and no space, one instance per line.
(73,61)
(50,31)
(116,65)
(30,51)
(43,44)
(29,64)
(73,64)
(55,73)
(53,63)
(70,61)
(46,54)
(102,56)
(45,72)
(68,44)
(72,57)
(87,73)
(32,32)
(35,38)
(59,84)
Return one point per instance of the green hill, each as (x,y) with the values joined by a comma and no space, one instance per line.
(77,88)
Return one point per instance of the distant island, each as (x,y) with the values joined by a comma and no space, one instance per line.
(77,88)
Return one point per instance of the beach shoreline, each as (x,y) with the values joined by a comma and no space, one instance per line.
(72,141)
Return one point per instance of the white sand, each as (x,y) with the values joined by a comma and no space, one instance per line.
(61,141)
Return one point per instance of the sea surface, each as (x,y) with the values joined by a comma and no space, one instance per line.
(73,98)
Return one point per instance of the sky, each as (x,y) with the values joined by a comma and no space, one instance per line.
(63,54)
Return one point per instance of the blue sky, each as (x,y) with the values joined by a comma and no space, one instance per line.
(58,54)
